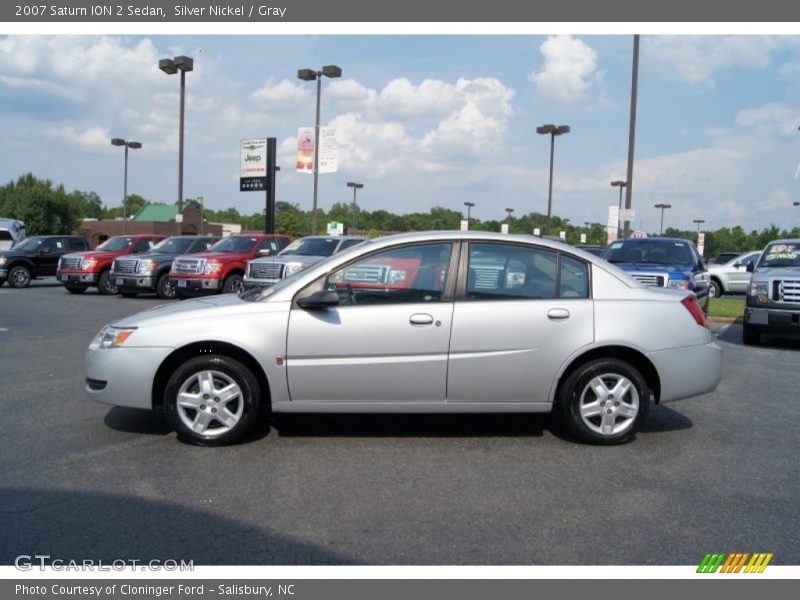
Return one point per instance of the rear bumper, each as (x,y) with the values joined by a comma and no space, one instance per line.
(689,371)
(77,278)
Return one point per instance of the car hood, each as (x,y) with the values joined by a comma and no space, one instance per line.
(652,267)
(778,272)
(157,256)
(202,309)
(97,254)
(223,256)
(290,258)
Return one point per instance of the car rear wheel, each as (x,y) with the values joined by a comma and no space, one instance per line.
(105,285)
(233,284)
(75,289)
(19,277)
(714,289)
(750,336)
(605,401)
(164,289)
(212,400)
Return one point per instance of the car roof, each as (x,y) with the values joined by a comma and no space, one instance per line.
(656,240)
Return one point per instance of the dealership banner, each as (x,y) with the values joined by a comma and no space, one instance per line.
(305,150)
(612,227)
(328,150)
(253,165)
(409,11)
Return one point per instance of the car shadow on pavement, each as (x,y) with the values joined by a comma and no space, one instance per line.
(733,335)
(69,525)
(663,419)
(411,425)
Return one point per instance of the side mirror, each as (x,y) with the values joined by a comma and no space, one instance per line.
(45,250)
(319,299)
(751,266)
(264,252)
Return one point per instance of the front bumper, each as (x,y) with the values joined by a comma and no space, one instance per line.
(195,285)
(253,281)
(689,371)
(134,281)
(123,376)
(3,273)
(773,319)
(77,278)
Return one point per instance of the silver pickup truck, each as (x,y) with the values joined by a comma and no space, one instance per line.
(297,256)
(773,295)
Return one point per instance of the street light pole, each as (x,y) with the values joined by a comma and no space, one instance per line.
(620,184)
(355,186)
(553,131)
(202,211)
(509,211)
(698,221)
(469,205)
(127,144)
(662,207)
(170,66)
(331,71)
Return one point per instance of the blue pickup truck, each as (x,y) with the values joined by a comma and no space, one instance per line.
(661,262)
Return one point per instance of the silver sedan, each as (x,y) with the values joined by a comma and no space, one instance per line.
(434,322)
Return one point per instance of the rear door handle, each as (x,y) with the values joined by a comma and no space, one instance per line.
(421,319)
(558,314)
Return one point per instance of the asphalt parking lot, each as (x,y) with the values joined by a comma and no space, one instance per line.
(83,480)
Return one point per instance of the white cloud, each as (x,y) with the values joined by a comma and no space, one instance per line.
(568,71)
(284,95)
(696,59)
(93,137)
(771,117)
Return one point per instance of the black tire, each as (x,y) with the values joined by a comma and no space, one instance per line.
(75,289)
(2,281)
(19,277)
(715,289)
(164,289)
(104,284)
(224,370)
(577,393)
(750,336)
(233,284)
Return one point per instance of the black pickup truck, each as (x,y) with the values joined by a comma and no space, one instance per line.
(150,272)
(37,257)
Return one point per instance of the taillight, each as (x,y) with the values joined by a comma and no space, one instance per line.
(691,304)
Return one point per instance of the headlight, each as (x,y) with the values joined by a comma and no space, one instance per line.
(679,284)
(145,267)
(88,264)
(212,267)
(396,276)
(759,289)
(112,337)
(4,260)
(293,268)
(172,266)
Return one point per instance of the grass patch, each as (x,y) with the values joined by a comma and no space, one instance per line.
(727,307)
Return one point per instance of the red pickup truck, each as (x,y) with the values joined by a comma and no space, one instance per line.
(221,268)
(79,271)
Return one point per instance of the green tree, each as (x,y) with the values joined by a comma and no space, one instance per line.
(45,208)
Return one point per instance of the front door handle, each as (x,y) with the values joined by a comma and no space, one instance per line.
(421,319)
(558,314)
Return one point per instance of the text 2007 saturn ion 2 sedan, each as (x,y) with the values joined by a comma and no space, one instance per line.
(435,322)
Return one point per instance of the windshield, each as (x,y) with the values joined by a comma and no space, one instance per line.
(173,245)
(781,255)
(234,244)
(30,244)
(658,253)
(116,244)
(311,247)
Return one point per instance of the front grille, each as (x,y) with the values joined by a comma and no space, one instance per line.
(71,262)
(366,274)
(266,270)
(188,266)
(649,280)
(789,290)
(125,266)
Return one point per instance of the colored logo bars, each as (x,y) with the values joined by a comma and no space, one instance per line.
(735,562)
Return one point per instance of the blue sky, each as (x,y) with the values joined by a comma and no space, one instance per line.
(423,120)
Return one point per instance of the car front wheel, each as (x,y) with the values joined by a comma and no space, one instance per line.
(19,277)
(605,401)
(233,284)
(715,289)
(164,289)
(105,285)
(212,400)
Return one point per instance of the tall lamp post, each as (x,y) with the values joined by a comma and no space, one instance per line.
(202,211)
(509,211)
(698,222)
(127,144)
(170,66)
(355,186)
(469,206)
(553,131)
(662,207)
(620,184)
(331,71)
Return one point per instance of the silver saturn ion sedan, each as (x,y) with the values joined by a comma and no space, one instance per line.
(433,322)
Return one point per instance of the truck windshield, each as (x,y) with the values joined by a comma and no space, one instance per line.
(659,253)
(234,244)
(116,244)
(311,247)
(30,245)
(781,255)
(173,245)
